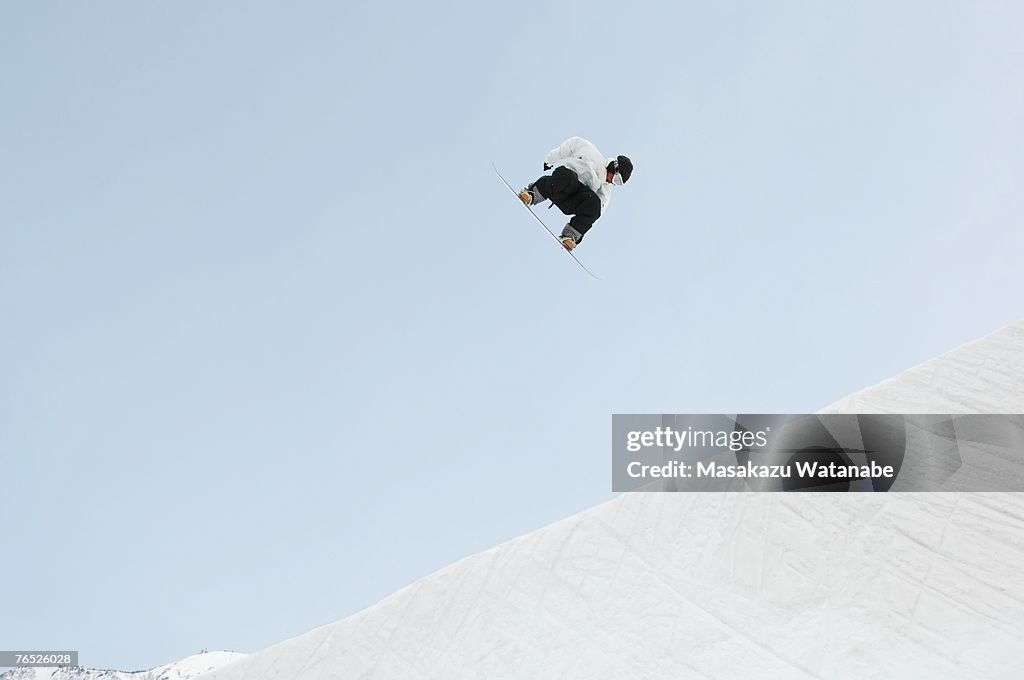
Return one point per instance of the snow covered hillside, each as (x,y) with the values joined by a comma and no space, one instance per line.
(736,585)
(186,669)
(723,585)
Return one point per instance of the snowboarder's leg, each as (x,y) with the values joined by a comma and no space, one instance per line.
(586,208)
(565,190)
(538,191)
(559,186)
(564,183)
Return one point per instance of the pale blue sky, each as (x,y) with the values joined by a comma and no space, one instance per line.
(275,342)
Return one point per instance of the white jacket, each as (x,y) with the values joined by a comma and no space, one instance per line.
(583,158)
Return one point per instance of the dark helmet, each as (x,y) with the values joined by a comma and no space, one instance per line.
(623,166)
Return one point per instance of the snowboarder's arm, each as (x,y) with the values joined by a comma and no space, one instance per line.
(570,148)
(605,194)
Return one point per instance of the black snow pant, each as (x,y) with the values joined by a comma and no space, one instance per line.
(572,197)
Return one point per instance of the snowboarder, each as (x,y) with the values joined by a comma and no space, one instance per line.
(580,185)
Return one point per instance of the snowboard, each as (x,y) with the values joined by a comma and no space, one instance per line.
(557,241)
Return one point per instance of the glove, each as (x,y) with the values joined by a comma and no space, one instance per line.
(547,166)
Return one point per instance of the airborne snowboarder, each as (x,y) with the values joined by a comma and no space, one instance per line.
(579,186)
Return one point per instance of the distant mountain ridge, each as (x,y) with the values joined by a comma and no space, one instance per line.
(188,668)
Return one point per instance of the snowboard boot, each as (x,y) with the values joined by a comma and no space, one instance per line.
(570,237)
(530,195)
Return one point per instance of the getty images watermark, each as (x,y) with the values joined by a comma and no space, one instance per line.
(832,452)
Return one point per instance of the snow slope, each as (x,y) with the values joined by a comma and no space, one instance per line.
(718,585)
(735,585)
(186,669)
